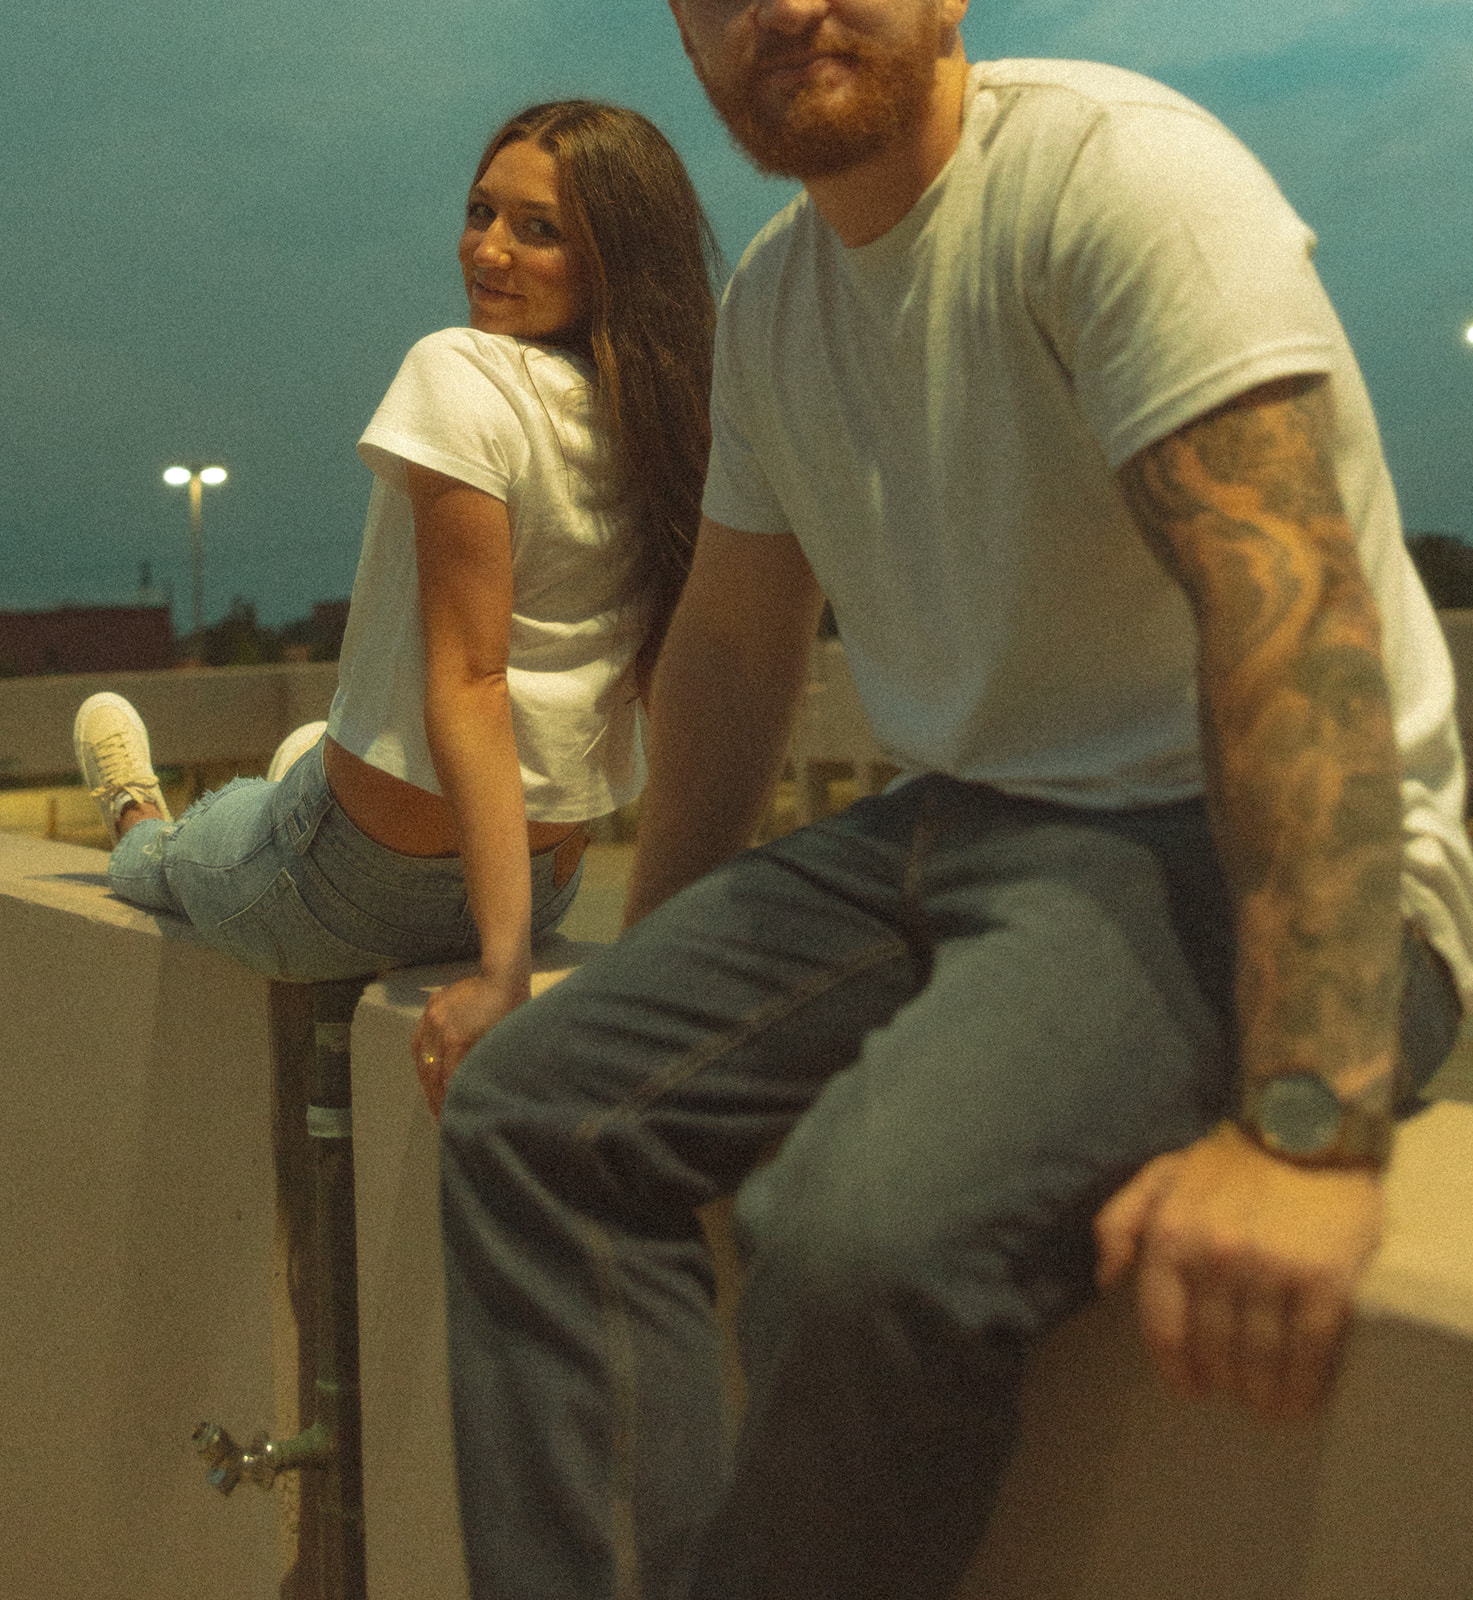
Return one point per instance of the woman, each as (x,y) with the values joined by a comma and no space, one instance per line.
(537,488)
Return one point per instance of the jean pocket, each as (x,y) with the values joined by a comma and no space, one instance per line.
(277,935)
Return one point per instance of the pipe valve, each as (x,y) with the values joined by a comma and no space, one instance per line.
(260,1462)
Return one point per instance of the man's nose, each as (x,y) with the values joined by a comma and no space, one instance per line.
(791,16)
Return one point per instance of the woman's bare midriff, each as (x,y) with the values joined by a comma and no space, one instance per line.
(403,817)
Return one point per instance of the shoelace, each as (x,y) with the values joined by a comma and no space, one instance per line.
(112,755)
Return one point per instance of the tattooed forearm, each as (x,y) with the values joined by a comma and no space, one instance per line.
(1302,768)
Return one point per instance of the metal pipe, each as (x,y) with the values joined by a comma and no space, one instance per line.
(197,564)
(262,1459)
(342,1574)
(333,1444)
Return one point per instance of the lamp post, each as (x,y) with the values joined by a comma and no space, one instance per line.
(196,477)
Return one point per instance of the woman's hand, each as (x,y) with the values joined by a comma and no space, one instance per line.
(454,1018)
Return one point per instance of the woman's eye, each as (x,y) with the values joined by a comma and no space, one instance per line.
(540,228)
(479,214)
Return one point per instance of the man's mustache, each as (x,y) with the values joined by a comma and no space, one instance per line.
(778,55)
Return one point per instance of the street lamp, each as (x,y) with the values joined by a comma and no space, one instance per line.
(177,477)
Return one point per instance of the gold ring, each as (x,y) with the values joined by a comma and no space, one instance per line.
(428,1059)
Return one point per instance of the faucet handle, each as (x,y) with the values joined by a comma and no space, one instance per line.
(224,1459)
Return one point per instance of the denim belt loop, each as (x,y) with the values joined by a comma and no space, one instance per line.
(304,813)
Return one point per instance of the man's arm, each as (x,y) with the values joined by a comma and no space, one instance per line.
(1247,1263)
(733,664)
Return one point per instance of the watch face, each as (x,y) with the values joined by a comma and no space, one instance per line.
(1299,1114)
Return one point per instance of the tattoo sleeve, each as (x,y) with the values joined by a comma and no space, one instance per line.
(1303,775)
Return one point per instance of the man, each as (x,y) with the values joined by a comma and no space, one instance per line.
(1035,382)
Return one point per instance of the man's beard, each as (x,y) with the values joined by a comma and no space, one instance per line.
(805,135)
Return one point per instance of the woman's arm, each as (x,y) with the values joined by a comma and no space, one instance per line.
(463,544)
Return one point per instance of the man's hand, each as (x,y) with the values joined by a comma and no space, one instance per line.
(454,1018)
(1246,1267)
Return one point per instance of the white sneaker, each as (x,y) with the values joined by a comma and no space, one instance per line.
(112,752)
(293,747)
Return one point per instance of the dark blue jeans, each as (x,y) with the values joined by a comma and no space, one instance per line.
(961,1021)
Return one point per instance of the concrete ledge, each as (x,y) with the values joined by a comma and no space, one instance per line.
(1119,1491)
(413,1529)
(139,1270)
(142,1288)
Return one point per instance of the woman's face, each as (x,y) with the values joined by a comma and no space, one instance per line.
(520,276)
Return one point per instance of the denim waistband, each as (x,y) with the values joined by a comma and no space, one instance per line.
(308,812)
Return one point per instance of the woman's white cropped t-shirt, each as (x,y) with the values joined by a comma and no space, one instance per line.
(513,419)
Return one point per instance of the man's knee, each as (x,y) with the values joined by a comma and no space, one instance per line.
(847,1242)
(1013,1256)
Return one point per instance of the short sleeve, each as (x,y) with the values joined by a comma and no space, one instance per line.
(1175,277)
(448,410)
(738,493)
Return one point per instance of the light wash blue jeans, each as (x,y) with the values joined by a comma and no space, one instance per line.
(276,875)
(967,1020)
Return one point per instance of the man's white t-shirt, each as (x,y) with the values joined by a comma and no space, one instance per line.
(512,419)
(938,416)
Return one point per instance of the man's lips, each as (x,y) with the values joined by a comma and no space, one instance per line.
(786,71)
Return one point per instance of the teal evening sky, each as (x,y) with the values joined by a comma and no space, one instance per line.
(224,225)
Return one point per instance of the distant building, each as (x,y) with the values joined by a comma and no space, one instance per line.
(329,619)
(85,639)
(318,637)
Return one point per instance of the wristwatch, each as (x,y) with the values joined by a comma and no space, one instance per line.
(1298,1117)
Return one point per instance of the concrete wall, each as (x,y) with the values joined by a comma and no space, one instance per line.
(206,715)
(196,716)
(138,1246)
(151,1146)
(413,1540)
(1119,1492)
(149,1161)
(155,1167)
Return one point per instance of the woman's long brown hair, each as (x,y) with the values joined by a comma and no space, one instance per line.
(648,255)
